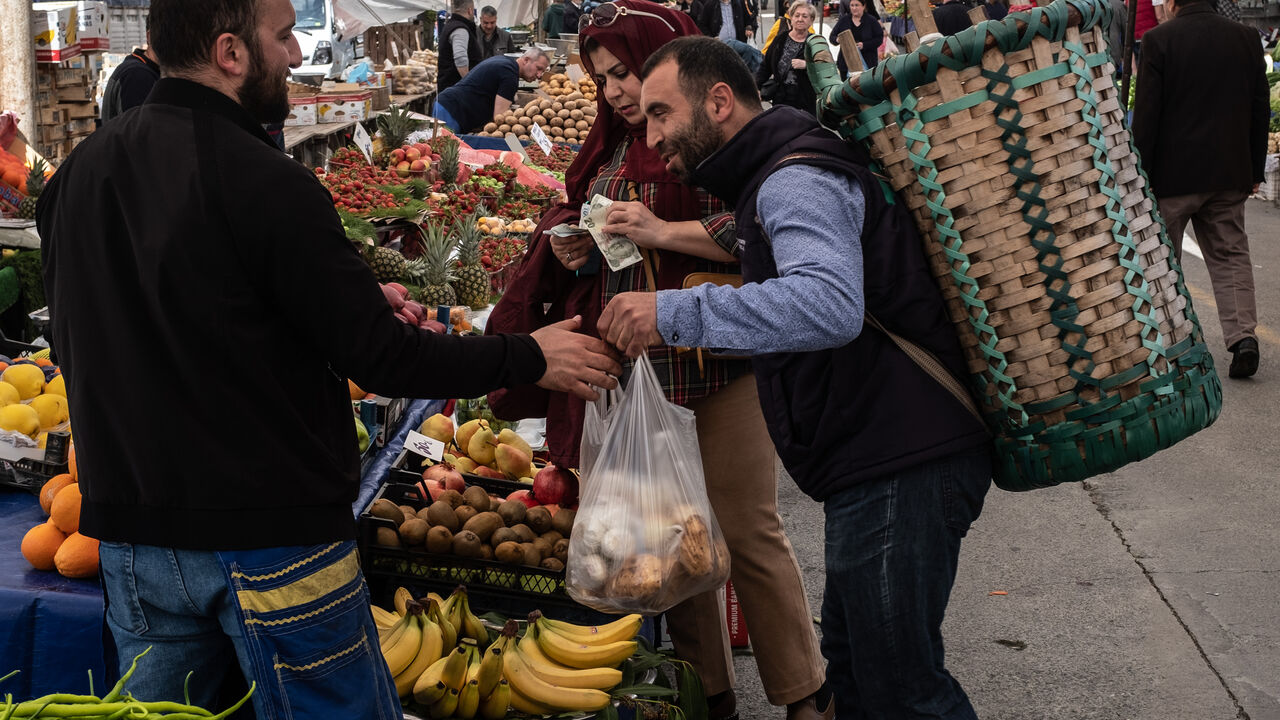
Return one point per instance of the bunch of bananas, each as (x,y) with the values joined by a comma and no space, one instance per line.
(440,654)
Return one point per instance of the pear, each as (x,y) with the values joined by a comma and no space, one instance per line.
(469,428)
(510,437)
(482,444)
(464,464)
(512,460)
(438,427)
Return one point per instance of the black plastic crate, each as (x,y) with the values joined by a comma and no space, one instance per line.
(408,467)
(27,474)
(492,586)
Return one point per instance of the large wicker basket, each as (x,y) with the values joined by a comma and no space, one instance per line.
(1008,143)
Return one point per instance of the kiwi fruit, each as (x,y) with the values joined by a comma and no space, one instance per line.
(510,553)
(386,537)
(531,554)
(476,497)
(486,551)
(442,513)
(422,514)
(552,536)
(466,544)
(523,533)
(539,519)
(387,510)
(440,540)
(414,531)
(453,497)
(464,513)
(562,522)
(513,512)
(484,524)
(544,547)
(503,534)
(561,551)
(552,564)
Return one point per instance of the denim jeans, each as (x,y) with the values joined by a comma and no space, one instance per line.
(295,619)
(439,112)
(892,545)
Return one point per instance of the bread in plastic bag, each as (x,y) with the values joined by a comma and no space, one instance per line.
(645,537)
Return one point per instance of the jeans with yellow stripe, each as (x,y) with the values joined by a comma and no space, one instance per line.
(295,619)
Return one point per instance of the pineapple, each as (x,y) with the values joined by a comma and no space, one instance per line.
(35,186)
(395,126)
(449,162)
(472,284)
(388,265)
(437,246)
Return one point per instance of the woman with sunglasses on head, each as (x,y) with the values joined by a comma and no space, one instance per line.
(783,78)
(682,230)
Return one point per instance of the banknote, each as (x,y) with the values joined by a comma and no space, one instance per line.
(618,251)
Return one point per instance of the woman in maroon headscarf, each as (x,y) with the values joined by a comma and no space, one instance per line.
(681,230)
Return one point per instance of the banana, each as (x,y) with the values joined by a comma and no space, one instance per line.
(526,683)
(495,705)
(389,636)
(527,706)
(430,649)
(621,629)
(554,673)
(430,596)
(490,669)
(383,618)
(446,628)
(473,661)
(582,655)
(448,612)
(401,600)
(428,688)
(401,651)
(445,706)
(474,626)
(468,701)
(454,673)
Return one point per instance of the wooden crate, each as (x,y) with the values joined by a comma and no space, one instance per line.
(378,43)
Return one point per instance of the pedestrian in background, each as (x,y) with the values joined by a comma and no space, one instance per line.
(493,39)
(727,20)
(553,19)
(867,31)
(131,81)
(783,78)
(459,48)
(1204,165)
(951,17)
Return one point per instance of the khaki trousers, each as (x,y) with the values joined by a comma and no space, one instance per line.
(1218,219)
(742,482)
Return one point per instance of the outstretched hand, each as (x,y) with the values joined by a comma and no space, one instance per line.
(575,362)
(630,322)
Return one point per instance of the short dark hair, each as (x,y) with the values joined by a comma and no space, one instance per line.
(702,62)
(489,11)
(183,31)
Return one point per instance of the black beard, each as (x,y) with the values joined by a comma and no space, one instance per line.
(265,96)
(694,143)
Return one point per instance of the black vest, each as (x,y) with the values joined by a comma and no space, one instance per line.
(447,74)
(848,414)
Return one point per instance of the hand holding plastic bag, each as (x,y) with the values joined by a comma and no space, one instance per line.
(645,537)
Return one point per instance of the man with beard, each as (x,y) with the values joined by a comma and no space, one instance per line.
(179,231)
(900,464)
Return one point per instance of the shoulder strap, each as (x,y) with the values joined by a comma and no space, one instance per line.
(931,365)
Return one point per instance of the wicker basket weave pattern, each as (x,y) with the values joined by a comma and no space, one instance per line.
(1007,142)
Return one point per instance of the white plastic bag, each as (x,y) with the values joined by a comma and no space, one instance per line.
(645,537)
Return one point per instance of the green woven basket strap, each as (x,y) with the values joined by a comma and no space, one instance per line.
(1007,412)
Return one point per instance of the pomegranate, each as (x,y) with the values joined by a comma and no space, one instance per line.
(523,496)
(446,475)
(555,486)
(431,489)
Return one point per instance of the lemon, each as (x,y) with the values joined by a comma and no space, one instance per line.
(19,418)
(42,440)
(28,379)
(56,386)
(9,394)
(51,408)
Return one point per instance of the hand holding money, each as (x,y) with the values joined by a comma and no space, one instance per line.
(637,223)
(618,251)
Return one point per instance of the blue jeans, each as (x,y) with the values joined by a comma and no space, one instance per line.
(892,545)
(295,619)
(439,112)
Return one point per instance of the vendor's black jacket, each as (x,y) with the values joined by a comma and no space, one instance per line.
(207,310)
(129,84)
(862,411)
(447,74)
(712,18)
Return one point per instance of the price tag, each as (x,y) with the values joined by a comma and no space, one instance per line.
(535,132)
(574,72)
(427,447)
(362,140)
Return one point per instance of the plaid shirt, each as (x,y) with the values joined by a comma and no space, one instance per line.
(679,374)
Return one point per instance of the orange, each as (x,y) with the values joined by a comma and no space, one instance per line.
(50,490)
(43,361)
(354,389)
(40,545)
(65,511)
(71,460)
(77,557)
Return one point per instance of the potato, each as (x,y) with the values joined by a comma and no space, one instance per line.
(504,128)
(490,127)
(519,129)
(510,119)
(576,114)
(557,122)
(523,138)
(563,114)
(556,132)
(575,95)
(582,126)
(571,133)
(557,106)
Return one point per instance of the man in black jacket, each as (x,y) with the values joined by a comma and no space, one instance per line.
(493,39)
(222,460)
(714,13)
(952,16)
(459,46)
(900,465)
(1203,165)
(131,81)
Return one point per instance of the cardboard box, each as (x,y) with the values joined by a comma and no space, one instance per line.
(10,198)
(92,22)
(733,616)
(54,30)
(81,127)
(51,116)
(78,111)
(302,111)
(79,94)
(49,134)
(343,108)
(381,98)
(72,77)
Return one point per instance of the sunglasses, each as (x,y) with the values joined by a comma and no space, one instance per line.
(606,14)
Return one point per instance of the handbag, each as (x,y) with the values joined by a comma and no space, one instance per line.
(769,90)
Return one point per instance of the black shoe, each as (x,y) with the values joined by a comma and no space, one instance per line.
(723,706)
(1244,358)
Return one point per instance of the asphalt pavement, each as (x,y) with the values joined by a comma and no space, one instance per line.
(1152,593)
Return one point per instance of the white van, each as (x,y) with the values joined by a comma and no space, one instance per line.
(315,29)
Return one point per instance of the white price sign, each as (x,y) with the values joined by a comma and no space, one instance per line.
(364,142)
(427,447)
(535,132)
